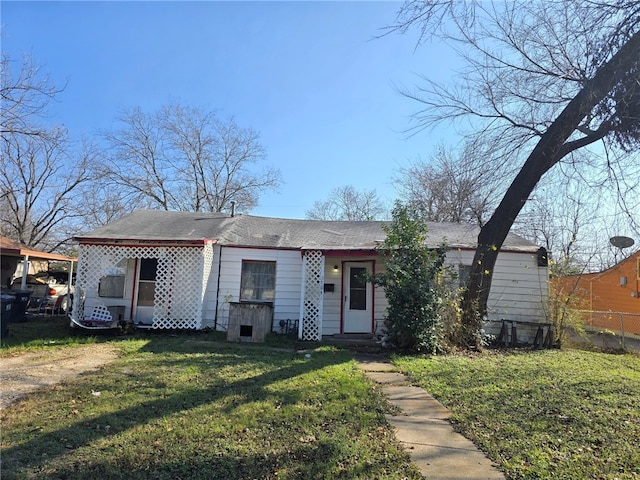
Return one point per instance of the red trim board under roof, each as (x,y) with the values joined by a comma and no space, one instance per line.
(145,243)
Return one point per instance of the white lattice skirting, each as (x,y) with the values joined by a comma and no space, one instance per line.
(181,280)
(312,294)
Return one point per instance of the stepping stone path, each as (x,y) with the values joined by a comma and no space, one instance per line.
(424,430)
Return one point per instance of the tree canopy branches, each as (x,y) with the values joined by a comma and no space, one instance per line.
(186,158)
(452,186)
(541,81)
(176,158)
(347,203)
(24,97)
(41,168)
(524,61)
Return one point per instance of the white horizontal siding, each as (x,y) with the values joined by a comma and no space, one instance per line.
(332,306)
(332,301)
(286,303)
(211,291)
(519,288)
(381,303)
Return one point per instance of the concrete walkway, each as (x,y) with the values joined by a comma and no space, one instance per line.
(424,430)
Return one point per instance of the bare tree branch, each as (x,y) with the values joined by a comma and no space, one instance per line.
(542,81)
(186,158)
(347,203)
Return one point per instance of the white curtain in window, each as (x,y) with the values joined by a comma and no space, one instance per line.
(258,281)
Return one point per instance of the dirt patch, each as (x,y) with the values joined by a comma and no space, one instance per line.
(27,372)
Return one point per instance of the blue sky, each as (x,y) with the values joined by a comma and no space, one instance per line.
(308,76)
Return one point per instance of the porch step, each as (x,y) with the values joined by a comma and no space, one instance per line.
(352,340)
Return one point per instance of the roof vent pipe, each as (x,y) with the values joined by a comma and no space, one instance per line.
(233,209)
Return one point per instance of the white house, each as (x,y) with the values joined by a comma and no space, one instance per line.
(181,270)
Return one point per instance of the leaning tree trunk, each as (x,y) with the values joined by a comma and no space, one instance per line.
(550,149)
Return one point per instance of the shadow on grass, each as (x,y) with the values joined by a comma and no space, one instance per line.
(305,462)
(50,331)
(39,452)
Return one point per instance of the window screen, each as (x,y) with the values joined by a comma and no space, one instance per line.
(111,286)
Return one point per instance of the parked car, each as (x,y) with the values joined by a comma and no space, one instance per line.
(48,291)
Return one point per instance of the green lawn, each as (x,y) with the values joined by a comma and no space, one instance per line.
(186,407)
(545,414)
(190,406)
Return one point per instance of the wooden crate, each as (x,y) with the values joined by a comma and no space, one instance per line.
(249,321)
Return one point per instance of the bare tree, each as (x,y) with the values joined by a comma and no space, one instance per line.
(347,203)
(99,203)
(574,214)
(41,169)
(452,186)
(24,96)
(186,158)
(37,183)
(544,79)
(558,218)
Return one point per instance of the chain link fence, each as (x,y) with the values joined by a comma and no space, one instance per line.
(614,329)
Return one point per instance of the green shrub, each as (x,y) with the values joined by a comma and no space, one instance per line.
(416,284)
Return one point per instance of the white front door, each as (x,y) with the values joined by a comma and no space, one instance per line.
(357,312)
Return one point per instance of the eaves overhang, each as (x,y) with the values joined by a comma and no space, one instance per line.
(137,242)
(10,248)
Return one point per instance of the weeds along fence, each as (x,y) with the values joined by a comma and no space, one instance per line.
(624,324)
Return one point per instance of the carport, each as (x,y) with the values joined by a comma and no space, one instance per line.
(12,253)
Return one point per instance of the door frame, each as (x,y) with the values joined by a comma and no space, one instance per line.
(346,268)
(139,313)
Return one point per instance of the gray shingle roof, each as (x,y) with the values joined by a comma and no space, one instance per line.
(159,225)
(266,232)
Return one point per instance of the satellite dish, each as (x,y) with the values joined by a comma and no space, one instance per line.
(621,242)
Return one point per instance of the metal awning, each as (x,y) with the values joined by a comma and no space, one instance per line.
(11,248)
